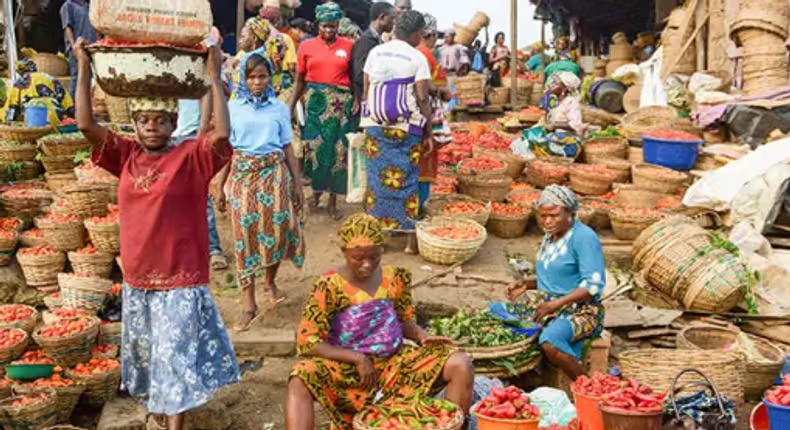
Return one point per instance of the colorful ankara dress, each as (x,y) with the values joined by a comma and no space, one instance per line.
(329,102)
(574,261)
(267,229)
(175,350)
(347,317)
(34,86)
(393,143)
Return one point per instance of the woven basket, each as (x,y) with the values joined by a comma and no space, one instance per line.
(63,236)
(41,270)
(435,204)
(110,334)
(69,351)
(25,324)
(716,287)
(7,247)
(636,197)
(658,367)
(501,372)
(58,163)
(88,200)
(621,168)
(99,264)
(51,64)
(669,263)
(11,353)
(646,294)
(512,197)
(83,293)
(761,374)
(467,172)
(19,133)
(658,178)
(26,209)
(57,181)
(66,398)
(100,388)
(358,422)
(471,89)
(10,153)
(118,110)
(492,352)
(541,178)
(584,182)
(105,236)
(499,96)
(508,226)
(32,417)
(112,353)
(628,227)
(514,165)
(614,147)
(594,116)
(440,250)
(646,119)
(61,145)
(52,302)
(486,188)
(585,215)
(20,170)
(599,218)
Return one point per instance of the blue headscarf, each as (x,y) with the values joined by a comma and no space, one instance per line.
(243,91)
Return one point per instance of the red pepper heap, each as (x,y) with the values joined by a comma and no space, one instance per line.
(635,397)
(780,394)
(508,403)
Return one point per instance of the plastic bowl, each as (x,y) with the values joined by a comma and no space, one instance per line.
(29,371)
(488,423)
(778,416)
(675,154)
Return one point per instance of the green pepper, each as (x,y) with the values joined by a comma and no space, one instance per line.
(375,423)
(429,420)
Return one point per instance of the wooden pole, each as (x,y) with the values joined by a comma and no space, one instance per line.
(513,53)
(239,18)
(699,14)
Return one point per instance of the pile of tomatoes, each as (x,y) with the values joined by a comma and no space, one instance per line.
(60,219)
(595,169)
(780,394)
(669,203)
(54,381)
(524,198)
(14,313)
(494,141)
(33,233)
(482,163)
(462,207)
(110,218)
(10,223)
(65,327)
(668,134)
(116,290)
(35,357)
(96,366)
(29,400)
(508,403)
(8,234)
(455,233)
(68,313)
(101,349)
(573,425)
(595,204)
(10,337)
(516,185)
(549,170)
(506,209)
(634,397)
(87,250)
(596,385)
(38,251)
(439,189)
(19,194)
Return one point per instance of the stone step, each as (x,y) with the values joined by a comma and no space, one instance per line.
(260,342)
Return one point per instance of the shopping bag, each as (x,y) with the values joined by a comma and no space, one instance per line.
(357,169)
(171,22)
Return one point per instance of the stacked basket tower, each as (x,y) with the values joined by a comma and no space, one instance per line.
(761,29)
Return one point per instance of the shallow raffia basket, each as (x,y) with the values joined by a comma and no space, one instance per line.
(88,200)
(26,324)
(633,196)
(57,181)
(99,264)
(99,388)
(58,163)
(446,251)
(647,119)
(17,132)
(457,423)
(66,398)
(12,352)
(657,368)
(10,153)
(508,226)
(63,236)
(69,351)
(31,417)
(110,333)
(437,203)
(628,226)
(41,270)
(620,167)
(486,188)
(614,147)
(106,237)
(761,373)
(589,183)
(658,178)
(82,292)
(61,145)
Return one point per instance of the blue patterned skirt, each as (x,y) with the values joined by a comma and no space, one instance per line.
(393,160)
(175,351)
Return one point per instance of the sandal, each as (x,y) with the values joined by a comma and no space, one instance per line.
(252,315)
(219,262)
(156,422)
(276,297)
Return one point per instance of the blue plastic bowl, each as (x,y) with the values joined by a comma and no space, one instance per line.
(674,154)
(778,416)
(36,116)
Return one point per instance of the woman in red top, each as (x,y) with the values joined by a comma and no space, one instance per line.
(324,77)
(175,351)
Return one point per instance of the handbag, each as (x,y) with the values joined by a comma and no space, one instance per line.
(710,420)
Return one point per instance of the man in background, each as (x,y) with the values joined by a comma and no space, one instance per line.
(454,57)
(382,20)
(74,16)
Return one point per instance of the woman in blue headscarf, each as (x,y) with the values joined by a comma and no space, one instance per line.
(571,279)
(265,197)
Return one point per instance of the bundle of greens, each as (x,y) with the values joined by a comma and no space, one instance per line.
(475,328)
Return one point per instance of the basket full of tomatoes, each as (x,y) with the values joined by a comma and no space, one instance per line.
(102,378)
(413,412)
(8,240)
(507,408)
(29,412)
(32,238)
(90,260)
(60,313)
(591,179)
(67,393)
(489,188)
(458,206)
(68,341)
(105,232)
(64,232)
(41,265)
(84,291)
(445,240)
(546,171)
(482,166)
(18,316)
(13,342)
(508,220)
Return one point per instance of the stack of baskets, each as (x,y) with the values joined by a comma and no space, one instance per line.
(761,27)
(435,207)
(446,250)
(35,416)
(471,89)
(674,39)
(620,53)
(83,292)
(18,161)
(484,358)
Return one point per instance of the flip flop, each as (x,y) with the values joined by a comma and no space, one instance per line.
(239,328)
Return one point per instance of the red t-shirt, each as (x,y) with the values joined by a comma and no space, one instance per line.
(162,199)
(326,64)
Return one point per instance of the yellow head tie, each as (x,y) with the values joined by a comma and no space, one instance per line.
(153,104)
(361,231)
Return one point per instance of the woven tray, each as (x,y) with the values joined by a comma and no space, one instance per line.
(68,351)
(99,389)
(41,270)
(445,251)
(83,293)
(66,398)
(31,417)
(501,372)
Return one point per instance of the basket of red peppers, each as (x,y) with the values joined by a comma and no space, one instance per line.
(508,407)
(634,406)
(412,412)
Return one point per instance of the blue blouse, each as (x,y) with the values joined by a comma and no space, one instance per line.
(260,129)
(574,261)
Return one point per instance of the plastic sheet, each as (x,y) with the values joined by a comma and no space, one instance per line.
(555,406)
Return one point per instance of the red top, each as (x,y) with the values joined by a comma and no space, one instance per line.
(438,76)
(162,201)
(326,64)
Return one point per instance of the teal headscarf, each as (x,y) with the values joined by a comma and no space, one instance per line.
(328,12)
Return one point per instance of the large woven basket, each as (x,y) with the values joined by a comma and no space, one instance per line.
(105,236)
(486,188)
(436,204)
(82,292)
(10,153)
(440,250)
(523,197)
(41,270)
(508,226)
(621,167)
(58,163)
(599,218)
(514,165)
(595,116)
(464,171)
(88,200)
(32,417)
(20,170)
(63,236)
(636,197)
(66,398)
(658,178)
(64,145)
(492,352)
(51,64)
(7,247)
(656,234)
(589,183)
(615,147)
(17,132)
(100,388)
(25,324)
(68,351)
(358,422)
(669,264)
(471,89)
(110,333)
(12,352)
(760,374)
(58,181)
(99,264)
(646,119)
(717,286)
(628,227)
(658,367)
(543,172)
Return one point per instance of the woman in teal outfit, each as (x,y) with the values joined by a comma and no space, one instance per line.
(571,278)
